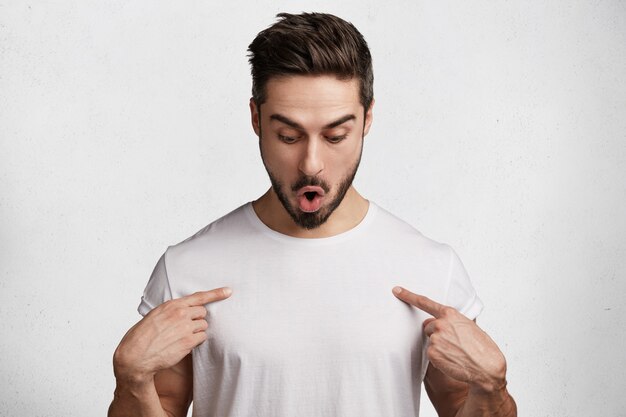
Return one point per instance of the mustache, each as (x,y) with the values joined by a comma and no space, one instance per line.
(313,181)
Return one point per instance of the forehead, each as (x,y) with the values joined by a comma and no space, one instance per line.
(306,96)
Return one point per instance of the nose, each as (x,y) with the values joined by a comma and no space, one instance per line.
(311,162)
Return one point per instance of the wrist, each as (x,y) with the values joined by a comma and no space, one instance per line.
(136,387)
(493,380)
(493,401)
(128,375)
(132,378)
(494,387)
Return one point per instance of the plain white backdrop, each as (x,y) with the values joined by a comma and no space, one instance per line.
(499,128)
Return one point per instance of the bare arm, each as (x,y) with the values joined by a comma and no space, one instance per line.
(152,363)
(167,395)
(452,398)
(466,376)
(175,387)
(446,394)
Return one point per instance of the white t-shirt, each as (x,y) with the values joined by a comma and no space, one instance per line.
(312,328)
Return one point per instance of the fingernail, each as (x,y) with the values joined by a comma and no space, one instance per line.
(397,290)
(227,291)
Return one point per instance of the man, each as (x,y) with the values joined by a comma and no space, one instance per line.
(299,318)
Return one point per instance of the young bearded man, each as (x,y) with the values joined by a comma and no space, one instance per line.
(300,318)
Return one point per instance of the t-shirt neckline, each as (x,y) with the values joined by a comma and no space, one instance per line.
(341,237)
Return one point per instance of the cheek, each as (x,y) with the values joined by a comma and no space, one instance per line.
(348,159)
(277,158)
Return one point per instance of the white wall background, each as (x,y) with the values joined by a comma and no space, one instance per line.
(499,128)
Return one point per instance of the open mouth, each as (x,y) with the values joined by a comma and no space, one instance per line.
(310,198)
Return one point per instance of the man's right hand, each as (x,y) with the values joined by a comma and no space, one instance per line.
(164,336)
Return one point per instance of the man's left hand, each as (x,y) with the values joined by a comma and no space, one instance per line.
(458,347)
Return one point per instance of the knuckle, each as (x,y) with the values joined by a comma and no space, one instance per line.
(201,338)
(441,326)
(188,341)
(448,311)
(431,352)
(432,326)
(192,340)
(179,314)
(167,306)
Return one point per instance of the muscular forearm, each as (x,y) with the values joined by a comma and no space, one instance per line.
(480,403)
(136,400)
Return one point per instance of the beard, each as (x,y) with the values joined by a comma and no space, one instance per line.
(315,219)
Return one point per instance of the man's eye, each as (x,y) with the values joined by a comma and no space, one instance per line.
(336,139)
(286,139)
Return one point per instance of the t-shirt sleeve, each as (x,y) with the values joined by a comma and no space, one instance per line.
(158,289)
(461,293)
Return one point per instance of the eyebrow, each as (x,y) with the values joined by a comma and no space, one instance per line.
(298,126)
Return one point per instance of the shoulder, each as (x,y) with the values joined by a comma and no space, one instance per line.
(392,227)
(230,226)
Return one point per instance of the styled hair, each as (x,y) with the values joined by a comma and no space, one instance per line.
(310,44)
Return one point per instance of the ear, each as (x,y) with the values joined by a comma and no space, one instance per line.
(254,116)
(368,118)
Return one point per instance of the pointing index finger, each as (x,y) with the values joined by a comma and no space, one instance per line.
(204,297)
(422,302)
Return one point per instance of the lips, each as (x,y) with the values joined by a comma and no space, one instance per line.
(311,189)
(310,198)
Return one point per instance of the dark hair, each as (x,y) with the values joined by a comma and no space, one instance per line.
(310,44)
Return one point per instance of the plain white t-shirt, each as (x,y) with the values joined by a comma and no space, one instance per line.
(312,328)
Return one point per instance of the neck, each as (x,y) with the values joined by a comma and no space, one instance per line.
(346,216)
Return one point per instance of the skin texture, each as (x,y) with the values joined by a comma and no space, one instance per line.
(467,371)
(152,362)
(466,375)
(311,151)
